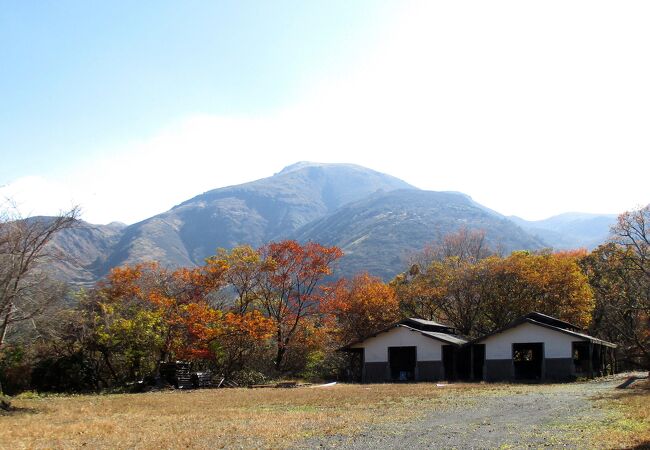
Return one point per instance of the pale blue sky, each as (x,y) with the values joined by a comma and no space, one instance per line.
(130,107)
(81,76)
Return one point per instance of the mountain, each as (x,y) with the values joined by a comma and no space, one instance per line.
(251,213)
(85,248)
(379,233)
(570,230)
(375,218)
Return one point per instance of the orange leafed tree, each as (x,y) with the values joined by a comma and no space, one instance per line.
(550,283)
(240,338)
(178,297)
(362,306)
(290,274)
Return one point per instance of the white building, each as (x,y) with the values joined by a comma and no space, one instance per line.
(540,347)
(533,347)
(412,350)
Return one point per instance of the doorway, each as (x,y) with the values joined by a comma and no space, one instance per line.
(448,362)
(402,363)
(478,361)
(527,359)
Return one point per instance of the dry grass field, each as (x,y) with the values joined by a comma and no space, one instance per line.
(628,423)
(277,418)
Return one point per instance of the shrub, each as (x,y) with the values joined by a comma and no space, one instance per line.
(249,377)
(5,403)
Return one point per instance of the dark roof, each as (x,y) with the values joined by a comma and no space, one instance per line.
(542,320)
(443,337)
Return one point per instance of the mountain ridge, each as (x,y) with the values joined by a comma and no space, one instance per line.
(364,211)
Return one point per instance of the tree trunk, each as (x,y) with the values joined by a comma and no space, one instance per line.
(5,326)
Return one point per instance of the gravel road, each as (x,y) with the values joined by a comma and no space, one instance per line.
(554,415)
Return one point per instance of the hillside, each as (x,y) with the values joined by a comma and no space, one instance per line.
(377,219)
(570,230)
(251,213)
(84,250)
(379,233)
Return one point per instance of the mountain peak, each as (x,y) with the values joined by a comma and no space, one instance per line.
(309,164)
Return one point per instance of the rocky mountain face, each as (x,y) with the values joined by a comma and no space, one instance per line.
(377,219)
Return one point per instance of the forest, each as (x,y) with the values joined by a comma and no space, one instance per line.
(255,314)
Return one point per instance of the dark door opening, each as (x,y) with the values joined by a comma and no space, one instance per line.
(527,359)
(580,355)
(464,363)
(478,360)
(402,363)
(354,369)
(448,362)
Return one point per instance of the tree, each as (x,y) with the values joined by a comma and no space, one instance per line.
(444,282)
(549,283)
(466,245)
(632,232)
(478,294)
(25,287)
(166,313)
(242,270)
(362,306)
(620,275)
(619,315)
(239,339)
(289,277)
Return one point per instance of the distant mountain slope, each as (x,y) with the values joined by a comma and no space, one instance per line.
(84,250)
(375,218)
(378,233)
(251,213)
(570,230)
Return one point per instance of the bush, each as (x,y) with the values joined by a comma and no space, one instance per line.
(15,366)
(249,377)
(71,373)
(5,403)
(322,365)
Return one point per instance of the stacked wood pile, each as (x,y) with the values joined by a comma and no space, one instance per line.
(202,379)
(177,374)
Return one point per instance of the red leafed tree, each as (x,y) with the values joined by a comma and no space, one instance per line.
(362,306)
(289,277)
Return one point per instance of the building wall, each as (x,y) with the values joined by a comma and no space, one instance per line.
(558,359)
(556,344)
(376,348)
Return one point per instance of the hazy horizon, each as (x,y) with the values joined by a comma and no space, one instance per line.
(129,109)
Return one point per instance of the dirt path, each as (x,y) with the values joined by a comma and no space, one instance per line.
(556,416)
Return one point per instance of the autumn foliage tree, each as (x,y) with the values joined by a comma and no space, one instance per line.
(478,292)
(361,306)
(549,283)
(287,289)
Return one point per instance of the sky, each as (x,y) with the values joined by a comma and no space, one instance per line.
(129,108)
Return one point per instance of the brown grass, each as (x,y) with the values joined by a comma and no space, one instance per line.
(273,418)
(629,426)
(239,418)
